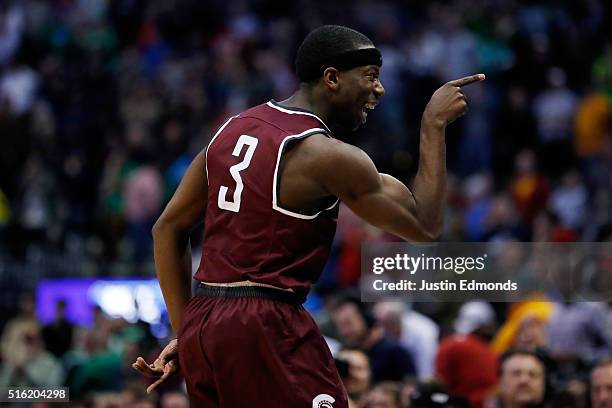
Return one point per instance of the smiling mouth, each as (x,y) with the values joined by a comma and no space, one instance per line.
(366,110)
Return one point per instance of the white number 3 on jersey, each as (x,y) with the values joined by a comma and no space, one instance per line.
(234,205)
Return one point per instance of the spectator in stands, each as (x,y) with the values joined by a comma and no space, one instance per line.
(143,194)
(477,190)
(529,188)
(592,131)
(503,223)
(523,380)
(536,312)
(174,400)
(407,391)
(131,393)
(12,21)
(99,368)
(384,395)
(58,335)
(36,201)
(578,332)
(19,85)
(601,384)
(29,364)
(531,334)
(16,327)
(107,399)
(569,201)
(358,376)
(414,331)
(554,114)
(356,326)
(465,361)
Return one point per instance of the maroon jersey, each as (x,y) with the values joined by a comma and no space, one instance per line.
(248,234)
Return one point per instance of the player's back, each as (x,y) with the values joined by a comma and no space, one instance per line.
(248,233)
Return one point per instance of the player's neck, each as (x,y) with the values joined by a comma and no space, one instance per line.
(305,98)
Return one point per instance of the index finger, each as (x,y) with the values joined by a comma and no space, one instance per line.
(467,80)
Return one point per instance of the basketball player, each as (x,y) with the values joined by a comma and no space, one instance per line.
(267,188)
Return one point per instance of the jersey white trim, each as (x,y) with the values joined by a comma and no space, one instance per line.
(212,140)
(275,179)
(297,112)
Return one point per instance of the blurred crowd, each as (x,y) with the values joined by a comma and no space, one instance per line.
(94,362)
(104,103)
(535,354)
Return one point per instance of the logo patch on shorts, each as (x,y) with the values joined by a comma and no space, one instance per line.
(323,401)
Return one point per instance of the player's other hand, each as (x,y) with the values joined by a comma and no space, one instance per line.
(165,365)
(449,102)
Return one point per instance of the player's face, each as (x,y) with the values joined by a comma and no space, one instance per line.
(358,96)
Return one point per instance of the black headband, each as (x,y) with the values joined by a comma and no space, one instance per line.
(342,61)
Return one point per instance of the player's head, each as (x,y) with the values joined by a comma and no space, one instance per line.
(341,65)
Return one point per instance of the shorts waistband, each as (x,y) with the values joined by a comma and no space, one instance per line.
(248,291)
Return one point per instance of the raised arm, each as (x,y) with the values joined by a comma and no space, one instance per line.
(348,173)
(383,201)
(171,238)
(429,188)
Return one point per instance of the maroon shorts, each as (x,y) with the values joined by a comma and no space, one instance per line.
(242,347)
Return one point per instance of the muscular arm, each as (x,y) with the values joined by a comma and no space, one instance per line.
(171,238)
(429,188)
(383,201)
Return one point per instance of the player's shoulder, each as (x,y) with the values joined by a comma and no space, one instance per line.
(328,148)
(331,158)
(255,113)
(293,122)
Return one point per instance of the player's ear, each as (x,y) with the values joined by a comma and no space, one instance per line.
(331,78)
